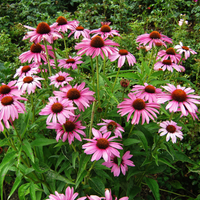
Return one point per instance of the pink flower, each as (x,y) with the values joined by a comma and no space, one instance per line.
(122,55)
(101,146)
(26,70)
(70,62)
(184,49)
(29,83)
(105,30)
(169,53)
(69,195)
(180,99)
(63,25)
(169,65)
(9,89)
(78,31)
(58,110)
(42,32)
(91,197)
(116,167)
(111,125)
(108,196)
(153,38)
(37,53)
(81,96)
(60,79)
(72,128)
(10,107)
(171,129)
(147,92)
(96,46)
(139,108)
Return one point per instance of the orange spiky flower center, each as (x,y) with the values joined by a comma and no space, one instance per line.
(138,104)
(70,60)
(61,20)
(60,78)
(185,48)
(167,62)
(69,126)
(79,28)
(7,100)
(26,68)
(4,89)
(150,89)
(97,42)
(171,51)
(171,128)
(57,107)
(105,29)
(73,93)
(155,35)
(36,48)
(179,95)
(102,143)
(123,52)
(28,79)
(43,28)
(111,126)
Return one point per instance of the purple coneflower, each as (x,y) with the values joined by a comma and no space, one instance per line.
(169,65)
(116,167)
(184,49)
(70,62)
(105,30)
(101,146)
(26,70)
(81,96)
(60,79)
(37,53)
(78,31)
(122,55)
(180,99)
(58,110)
(69,130)
(96,46)
(169,53)
(29,83)
(110,125)
(42,32)
(108,196)
(69,195)
(9,89)
(153,38)
(171,129)
(147,92)
(139,108)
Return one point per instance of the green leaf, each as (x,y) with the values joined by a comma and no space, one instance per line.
(26,146)
(97,185)
(130,141)
(74,156)
(4,142)
(106,80)
(153,185)
(147,134)
(43,142)
(80,178)
(15,185)
(23,191)
(24,125)
(130,75)
(132,172)
(108,91)
(32,191)
(162,160)
(164,111)
(189,82)
(9,156)
(143,139)
(82,165)
(157,74)
(176,184)
(133,190)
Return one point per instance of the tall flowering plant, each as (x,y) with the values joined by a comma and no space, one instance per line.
(76,135)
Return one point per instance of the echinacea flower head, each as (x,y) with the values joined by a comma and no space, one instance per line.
(124,83)
(119,167)
(139,107)
(58,110)
(184,49)
(169,65)
(122,55)
(169,53)
(108,196)
(78,31)
(81,96)
(26,70)
(69,195)
(153,38)
(29,83)
(63,25)
(9,89)
(69,130)
(110,125)
(60,79)
(10,107)
(36,53)
(171,129)
(101,146)
(180,99)
(105,30)
(70,62)
(42,32)
(96,46)
(91,197)
(147,92)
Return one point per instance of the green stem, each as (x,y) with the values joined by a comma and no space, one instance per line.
(116,79)
(98,90)
(170,118)
(65,43)
(33,108)
(45,44)
(92,119)
(92,67)
(131,131)
(56,62)
(104,65)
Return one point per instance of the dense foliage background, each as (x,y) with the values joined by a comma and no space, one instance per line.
(131,18)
